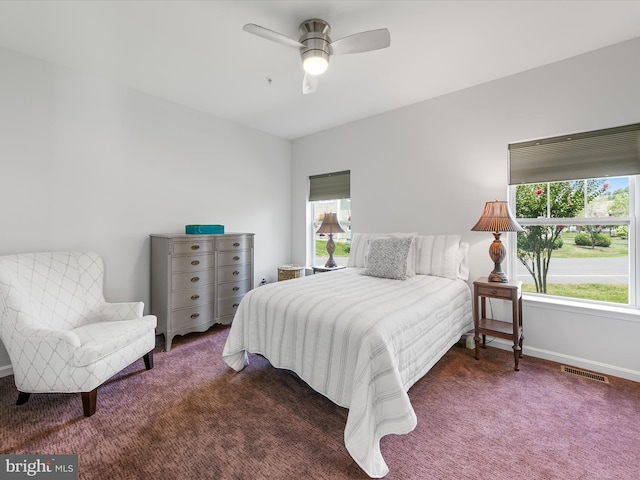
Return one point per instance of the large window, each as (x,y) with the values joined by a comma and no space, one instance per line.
(330,193)
(579,221)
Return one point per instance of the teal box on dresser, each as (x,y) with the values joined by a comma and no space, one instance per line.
(203,229)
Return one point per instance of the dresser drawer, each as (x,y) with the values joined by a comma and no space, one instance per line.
(233,289)
(234,258)
(192,247)
(191,263)
(233,273)
(182,281)
(493,292)
(192,297)
(191,317)
(234,243)
(228,306)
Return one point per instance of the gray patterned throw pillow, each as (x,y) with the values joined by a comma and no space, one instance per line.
(388,258)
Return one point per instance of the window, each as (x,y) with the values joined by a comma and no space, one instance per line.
(330,193)
(575,197)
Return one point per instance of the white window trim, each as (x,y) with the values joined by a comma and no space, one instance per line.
(583,307)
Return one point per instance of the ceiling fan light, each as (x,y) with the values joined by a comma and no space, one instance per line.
(315,65)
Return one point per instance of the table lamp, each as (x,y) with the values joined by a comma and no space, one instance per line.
(497,218)
(330,225)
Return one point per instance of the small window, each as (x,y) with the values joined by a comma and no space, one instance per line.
(330,193)
(342,208)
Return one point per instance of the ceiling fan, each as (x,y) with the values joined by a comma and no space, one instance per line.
(316,46)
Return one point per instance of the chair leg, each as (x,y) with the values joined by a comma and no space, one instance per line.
(89,401)
(22,398)
(148,360)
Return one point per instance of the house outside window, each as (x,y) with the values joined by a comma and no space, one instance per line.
(580,231)
(329,193)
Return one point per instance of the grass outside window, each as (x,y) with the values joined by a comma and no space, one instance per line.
(618,248)
(588,291)
(342,249)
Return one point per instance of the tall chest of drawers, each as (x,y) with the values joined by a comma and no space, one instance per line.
(198,280)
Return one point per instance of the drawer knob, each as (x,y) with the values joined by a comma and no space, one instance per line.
(236,258)
(494,292)
(195,279)
(236,272)
(195,247)
(236,244)
(195,297)
(235,289)
(195,262)
(195,315)
(235,305)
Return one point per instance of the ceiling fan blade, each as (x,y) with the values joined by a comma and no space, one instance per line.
(361,42)
(309,83)
(271,35)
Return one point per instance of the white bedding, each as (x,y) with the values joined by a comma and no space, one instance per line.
(361,341)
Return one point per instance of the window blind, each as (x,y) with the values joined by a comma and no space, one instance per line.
(330,186)
(611,152)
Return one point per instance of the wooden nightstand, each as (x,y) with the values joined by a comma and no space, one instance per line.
(327,269)
(511,291)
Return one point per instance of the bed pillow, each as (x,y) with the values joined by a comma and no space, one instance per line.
(411,259)
(360,248)
(463,261)
(358,251)
(388,257)
(438,255)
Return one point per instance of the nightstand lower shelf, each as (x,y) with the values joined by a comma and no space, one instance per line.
(496,328)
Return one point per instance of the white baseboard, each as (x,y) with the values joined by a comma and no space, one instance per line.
(6,370)
(598,367)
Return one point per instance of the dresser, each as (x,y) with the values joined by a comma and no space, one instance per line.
(198,280)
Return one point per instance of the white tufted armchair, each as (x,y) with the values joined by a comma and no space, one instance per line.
(60,333)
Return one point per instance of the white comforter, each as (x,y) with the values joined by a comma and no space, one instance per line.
(361,341)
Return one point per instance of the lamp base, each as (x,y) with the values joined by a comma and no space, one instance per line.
(498,276)
(497,252)
(331,263)
(331,248)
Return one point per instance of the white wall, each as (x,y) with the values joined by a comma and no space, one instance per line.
(86,164)
(430,168)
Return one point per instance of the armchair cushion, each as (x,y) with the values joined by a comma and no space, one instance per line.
(99,340)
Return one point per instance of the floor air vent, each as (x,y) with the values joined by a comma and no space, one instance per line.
(584,373)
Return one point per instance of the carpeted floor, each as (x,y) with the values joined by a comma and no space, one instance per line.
(191,417)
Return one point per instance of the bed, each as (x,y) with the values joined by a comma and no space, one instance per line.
(360,339)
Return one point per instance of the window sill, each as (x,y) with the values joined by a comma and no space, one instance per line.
(627,313)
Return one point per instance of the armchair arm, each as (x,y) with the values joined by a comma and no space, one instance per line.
(111,312)
(30,329)
(43,358)
(47,335)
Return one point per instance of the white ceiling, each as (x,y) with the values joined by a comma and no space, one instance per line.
(195,53)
